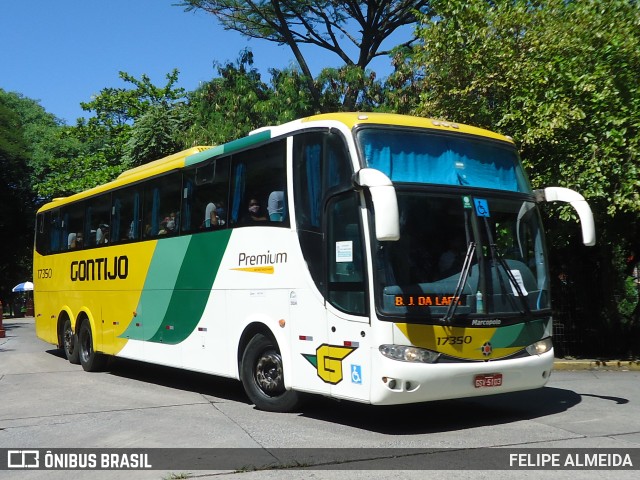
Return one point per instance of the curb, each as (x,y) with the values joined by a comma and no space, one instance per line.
(597,365)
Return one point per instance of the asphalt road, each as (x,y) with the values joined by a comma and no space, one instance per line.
(47,403)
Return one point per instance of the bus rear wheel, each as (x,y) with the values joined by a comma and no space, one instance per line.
(262,376)
(90,360)
(70,343)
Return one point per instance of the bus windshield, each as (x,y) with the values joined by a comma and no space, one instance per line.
(421,156)
(463,255)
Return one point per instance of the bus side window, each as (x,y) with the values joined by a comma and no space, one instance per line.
(321,167)
(98,221)
(205,196)
(72,230)
(257,175)
(125,215)
(49,239)
(161,210)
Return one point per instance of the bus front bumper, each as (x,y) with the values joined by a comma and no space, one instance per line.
(396,382)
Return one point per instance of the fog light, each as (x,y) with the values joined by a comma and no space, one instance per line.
(540,347)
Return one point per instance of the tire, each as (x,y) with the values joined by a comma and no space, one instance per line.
(70,343)
(90,360)
(262,376)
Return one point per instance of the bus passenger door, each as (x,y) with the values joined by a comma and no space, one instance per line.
(348,362)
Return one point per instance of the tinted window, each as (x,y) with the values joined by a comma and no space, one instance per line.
(205,197)
(258,186)
(161,210)
(126,214)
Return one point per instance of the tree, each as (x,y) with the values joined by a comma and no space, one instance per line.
(16,198)
(115,122)
(561,78)
(130,126)
(157,133)
(238,101)
(335,26)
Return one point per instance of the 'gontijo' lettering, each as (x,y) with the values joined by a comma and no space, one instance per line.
(100,269)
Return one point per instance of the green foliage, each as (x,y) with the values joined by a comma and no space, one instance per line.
(360,86)
(115,107)
(352,30)
(157,133)
(562,79)
(227,107)
(16,198)
(238,101)
(130,126)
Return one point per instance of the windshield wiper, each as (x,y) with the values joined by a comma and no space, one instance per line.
(462,280)
(499,260)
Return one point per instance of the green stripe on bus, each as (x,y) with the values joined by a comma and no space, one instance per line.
(230,147)
(160,281)
(202,156)
(192,289)
(519,335)
(245,142)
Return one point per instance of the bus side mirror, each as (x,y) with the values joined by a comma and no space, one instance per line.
(385,202)
(577,201)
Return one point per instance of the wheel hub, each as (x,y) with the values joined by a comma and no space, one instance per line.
(269,373)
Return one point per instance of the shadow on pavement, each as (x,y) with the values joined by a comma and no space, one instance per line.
(430,417)
(446,415)
(205,384)
(413,419)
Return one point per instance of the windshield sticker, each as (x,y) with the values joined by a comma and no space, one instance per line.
(482,207)
(518,278)
(344,251)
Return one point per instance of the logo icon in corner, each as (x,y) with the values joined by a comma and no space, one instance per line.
(486,349)
(328,361)
(23,458)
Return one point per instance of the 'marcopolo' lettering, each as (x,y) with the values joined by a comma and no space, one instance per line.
(100,269)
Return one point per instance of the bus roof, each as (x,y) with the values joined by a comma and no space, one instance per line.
(353,119)
(195,155)
(166,164)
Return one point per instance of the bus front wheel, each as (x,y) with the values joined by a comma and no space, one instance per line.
(90,360)
(262,376)
(70,343)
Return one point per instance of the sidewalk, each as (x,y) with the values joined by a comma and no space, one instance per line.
(602,365)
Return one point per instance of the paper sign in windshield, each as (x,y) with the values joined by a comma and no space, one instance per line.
(518,277)
(344,251)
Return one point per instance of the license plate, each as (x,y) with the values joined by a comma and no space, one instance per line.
(488,380)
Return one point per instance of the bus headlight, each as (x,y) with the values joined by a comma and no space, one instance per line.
(408,354)
(540,347)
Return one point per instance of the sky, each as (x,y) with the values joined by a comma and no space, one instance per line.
(63,52)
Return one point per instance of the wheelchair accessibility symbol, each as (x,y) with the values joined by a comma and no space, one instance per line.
(356,374)
(482,207)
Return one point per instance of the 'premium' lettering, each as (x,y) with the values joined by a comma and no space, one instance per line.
(267,258)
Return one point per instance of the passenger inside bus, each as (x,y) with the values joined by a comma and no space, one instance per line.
(74,240)
(214,215)
(255,212)
(275,206)
(102,234)
(168,225)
